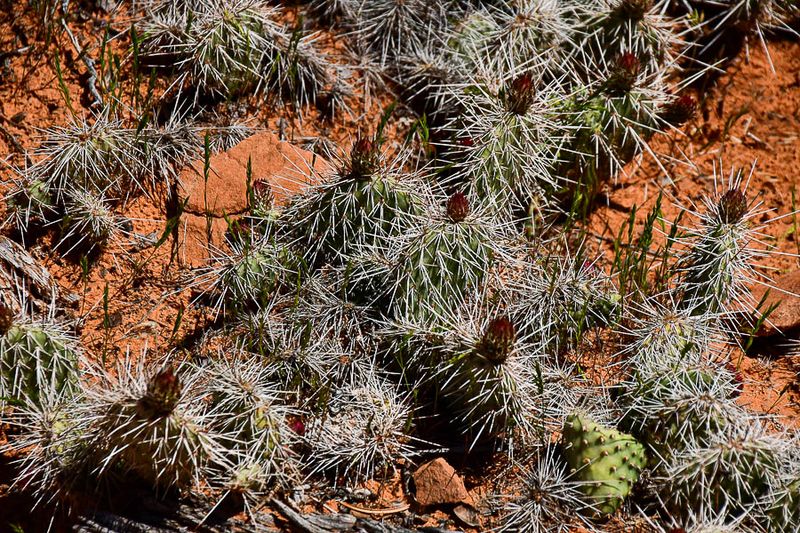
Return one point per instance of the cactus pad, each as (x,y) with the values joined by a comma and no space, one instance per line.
(36,359)
(606,461)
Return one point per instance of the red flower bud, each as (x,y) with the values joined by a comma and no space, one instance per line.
(6,318)
(364,158)
(732,206)
(163,394)
(634,9)
(458,207)
(498,340)
(297,426)
(738,378)
(518,96)
(624,73)
(680,110)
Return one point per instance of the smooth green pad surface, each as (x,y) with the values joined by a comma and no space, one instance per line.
(607,462)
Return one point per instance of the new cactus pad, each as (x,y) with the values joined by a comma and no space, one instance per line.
(606,462)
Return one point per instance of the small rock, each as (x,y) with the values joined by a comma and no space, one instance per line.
(786,316)
(437,483)
(467,514)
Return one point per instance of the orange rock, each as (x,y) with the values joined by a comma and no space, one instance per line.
(786,316)
(437,483)
(284,166)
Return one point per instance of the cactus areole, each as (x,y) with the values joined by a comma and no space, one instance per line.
(624,73)
(163,395)
(680,110)
(458,207)
(498,340)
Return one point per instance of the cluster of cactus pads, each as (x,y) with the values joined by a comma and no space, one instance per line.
(406,285)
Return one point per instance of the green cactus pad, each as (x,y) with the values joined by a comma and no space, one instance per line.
(605,461)
(440,266)
(336,218)
(36,359)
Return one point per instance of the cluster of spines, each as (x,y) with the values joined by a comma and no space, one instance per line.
(364,202)
(38,359)
(229,48)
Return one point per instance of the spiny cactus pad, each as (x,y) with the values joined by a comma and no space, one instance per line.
(36,359)
(607,462)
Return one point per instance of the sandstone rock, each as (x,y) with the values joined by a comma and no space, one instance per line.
(437,483)
(786,317)
(286,167)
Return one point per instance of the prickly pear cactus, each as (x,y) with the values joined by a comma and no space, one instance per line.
(607,462)
(29,203)
(35,359)
(482,372)
(153,429)
(443,261)
(716,270)
(680,407)
(783,512)
(363,204)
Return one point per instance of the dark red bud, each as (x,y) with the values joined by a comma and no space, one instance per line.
(458,207)
(738,378)
(680,110)
(163,394)
(6,318)
(498,340)
(624,73)
(629,63)
(466,141)
(297,426)
(634,9)
(732,206)
(518,96)
(363,158)
(262,189)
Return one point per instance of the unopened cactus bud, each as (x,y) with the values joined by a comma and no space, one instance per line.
(467,142)
(519,94)
(680,110)
(364,158)
(624,73)
(732,206)
(738,378)
(163,394)
(498,340)
(458,207)
(262,198)
(298,426)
